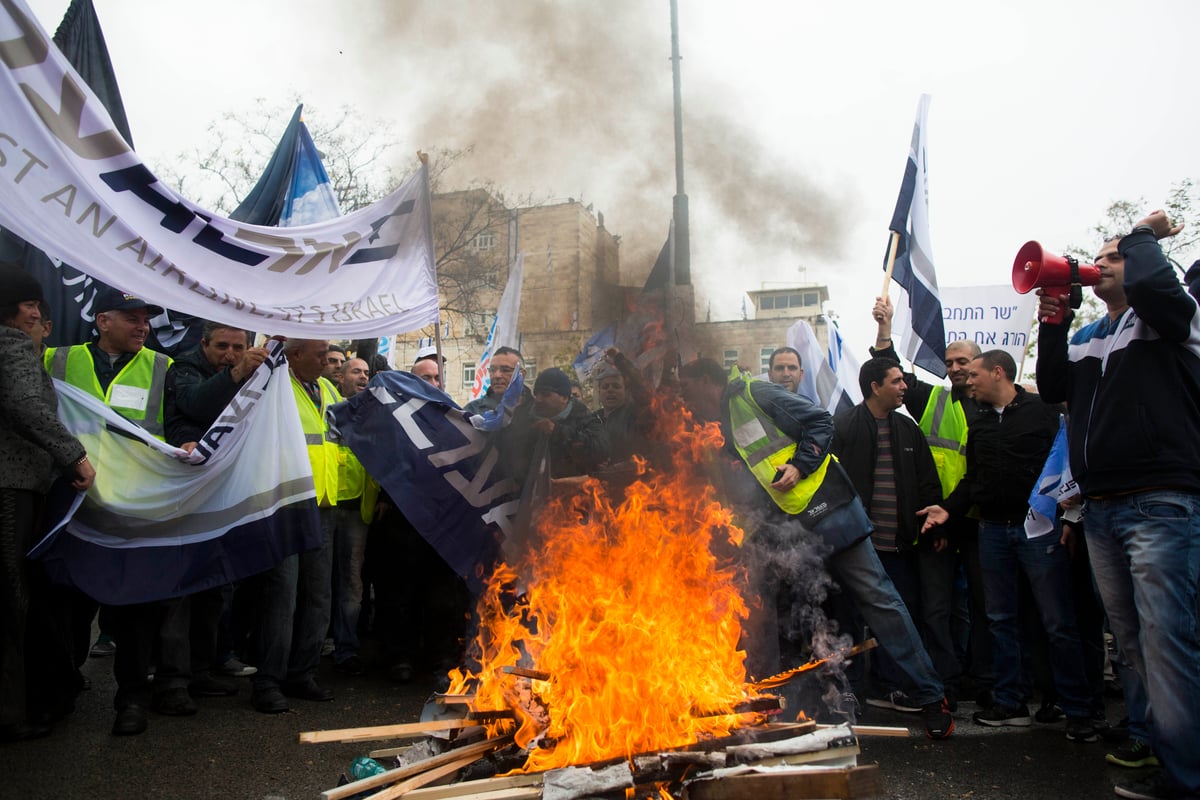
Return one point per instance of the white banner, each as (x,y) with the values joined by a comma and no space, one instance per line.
(70,184)
(994,317)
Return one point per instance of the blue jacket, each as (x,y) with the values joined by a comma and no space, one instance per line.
(1132,385)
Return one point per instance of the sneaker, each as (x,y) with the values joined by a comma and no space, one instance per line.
(1081,729)
(938,722)
(1049,714)
(1152,787)
(1132,754)
(998,716)
(327,647)
(236,669)
(104,646)
(352,666)
(897,701)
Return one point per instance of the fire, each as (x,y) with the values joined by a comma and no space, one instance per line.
(628,612)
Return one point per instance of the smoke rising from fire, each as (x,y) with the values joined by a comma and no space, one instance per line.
(575,99)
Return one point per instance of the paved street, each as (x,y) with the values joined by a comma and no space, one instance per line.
(231,752)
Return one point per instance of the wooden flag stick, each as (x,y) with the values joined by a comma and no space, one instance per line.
(891,263)
(408,771)
(384,731)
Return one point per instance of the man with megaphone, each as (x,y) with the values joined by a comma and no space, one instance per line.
(1132,382)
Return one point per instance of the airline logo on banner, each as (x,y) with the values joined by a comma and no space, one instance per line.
(70,184)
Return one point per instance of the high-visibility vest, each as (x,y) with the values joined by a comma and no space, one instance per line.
(136,391)
(944,424)
(322,450)
(765,449)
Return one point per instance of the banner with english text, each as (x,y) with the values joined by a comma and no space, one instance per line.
(71,185)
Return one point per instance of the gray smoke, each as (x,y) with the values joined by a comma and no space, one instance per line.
(563,99)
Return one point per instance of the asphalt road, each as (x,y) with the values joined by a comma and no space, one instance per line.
(231,752)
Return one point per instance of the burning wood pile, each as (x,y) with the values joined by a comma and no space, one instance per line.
(607,664)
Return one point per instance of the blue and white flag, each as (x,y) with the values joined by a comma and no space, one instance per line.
(310,196)
(441,472)
(502,414)
(504,331)
(923,339)
(161,523)
(830,377)
(1053,486)
(593,352)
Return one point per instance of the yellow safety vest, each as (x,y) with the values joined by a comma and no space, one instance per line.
(765,449)
(322,451)
(944,424)
(136,391)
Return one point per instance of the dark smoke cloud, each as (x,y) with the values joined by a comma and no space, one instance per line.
(575,99)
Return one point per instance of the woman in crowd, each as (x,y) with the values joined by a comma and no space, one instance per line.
(34,445)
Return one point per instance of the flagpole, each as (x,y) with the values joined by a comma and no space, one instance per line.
(893,245)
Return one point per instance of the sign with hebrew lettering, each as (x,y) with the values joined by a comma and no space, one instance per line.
(994,317)
(70,184)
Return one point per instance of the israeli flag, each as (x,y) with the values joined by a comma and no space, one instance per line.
(923,339)
(1053,486)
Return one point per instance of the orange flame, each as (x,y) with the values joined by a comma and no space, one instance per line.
(628,611)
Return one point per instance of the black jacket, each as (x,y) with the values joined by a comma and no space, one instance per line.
(194,396)
(1005,455)
(1133,385)
(855,433)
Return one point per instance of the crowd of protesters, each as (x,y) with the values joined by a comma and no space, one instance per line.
(916,501)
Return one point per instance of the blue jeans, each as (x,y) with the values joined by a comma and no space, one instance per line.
(862,576)
(1003,550)
(349,546)
(1145,551)
(925,582)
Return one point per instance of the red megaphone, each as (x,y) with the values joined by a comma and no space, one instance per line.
(1060,276)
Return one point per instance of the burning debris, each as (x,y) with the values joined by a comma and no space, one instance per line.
(607,663)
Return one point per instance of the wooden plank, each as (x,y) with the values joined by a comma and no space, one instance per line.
(847,782)
(406,730)
(424,779)
(409,770)
(516,793)
(815,757)
(523,672)
(875,730)
(484,786)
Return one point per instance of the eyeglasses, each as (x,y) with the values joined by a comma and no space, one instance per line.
(502,370)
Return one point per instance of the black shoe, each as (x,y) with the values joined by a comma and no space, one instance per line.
(24,731)
(130,721)
(269,701)
(1152,787)
(998,716)
(1049,714)
(352,666)
(173,703)
(938,722)
(1133,754)
(1081,729)
(212,686)
(307,689)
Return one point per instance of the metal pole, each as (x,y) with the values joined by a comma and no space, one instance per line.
(683,260)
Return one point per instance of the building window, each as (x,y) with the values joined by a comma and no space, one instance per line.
(468,375)
(767,302)
(530,371)
(795,300)
(765,358)
(484,240)
(731,358)
(812,299)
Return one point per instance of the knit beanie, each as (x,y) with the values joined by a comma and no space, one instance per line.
(553,379)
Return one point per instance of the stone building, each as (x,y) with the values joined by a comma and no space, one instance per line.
(573,286)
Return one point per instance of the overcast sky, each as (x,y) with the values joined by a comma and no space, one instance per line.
(797,115)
